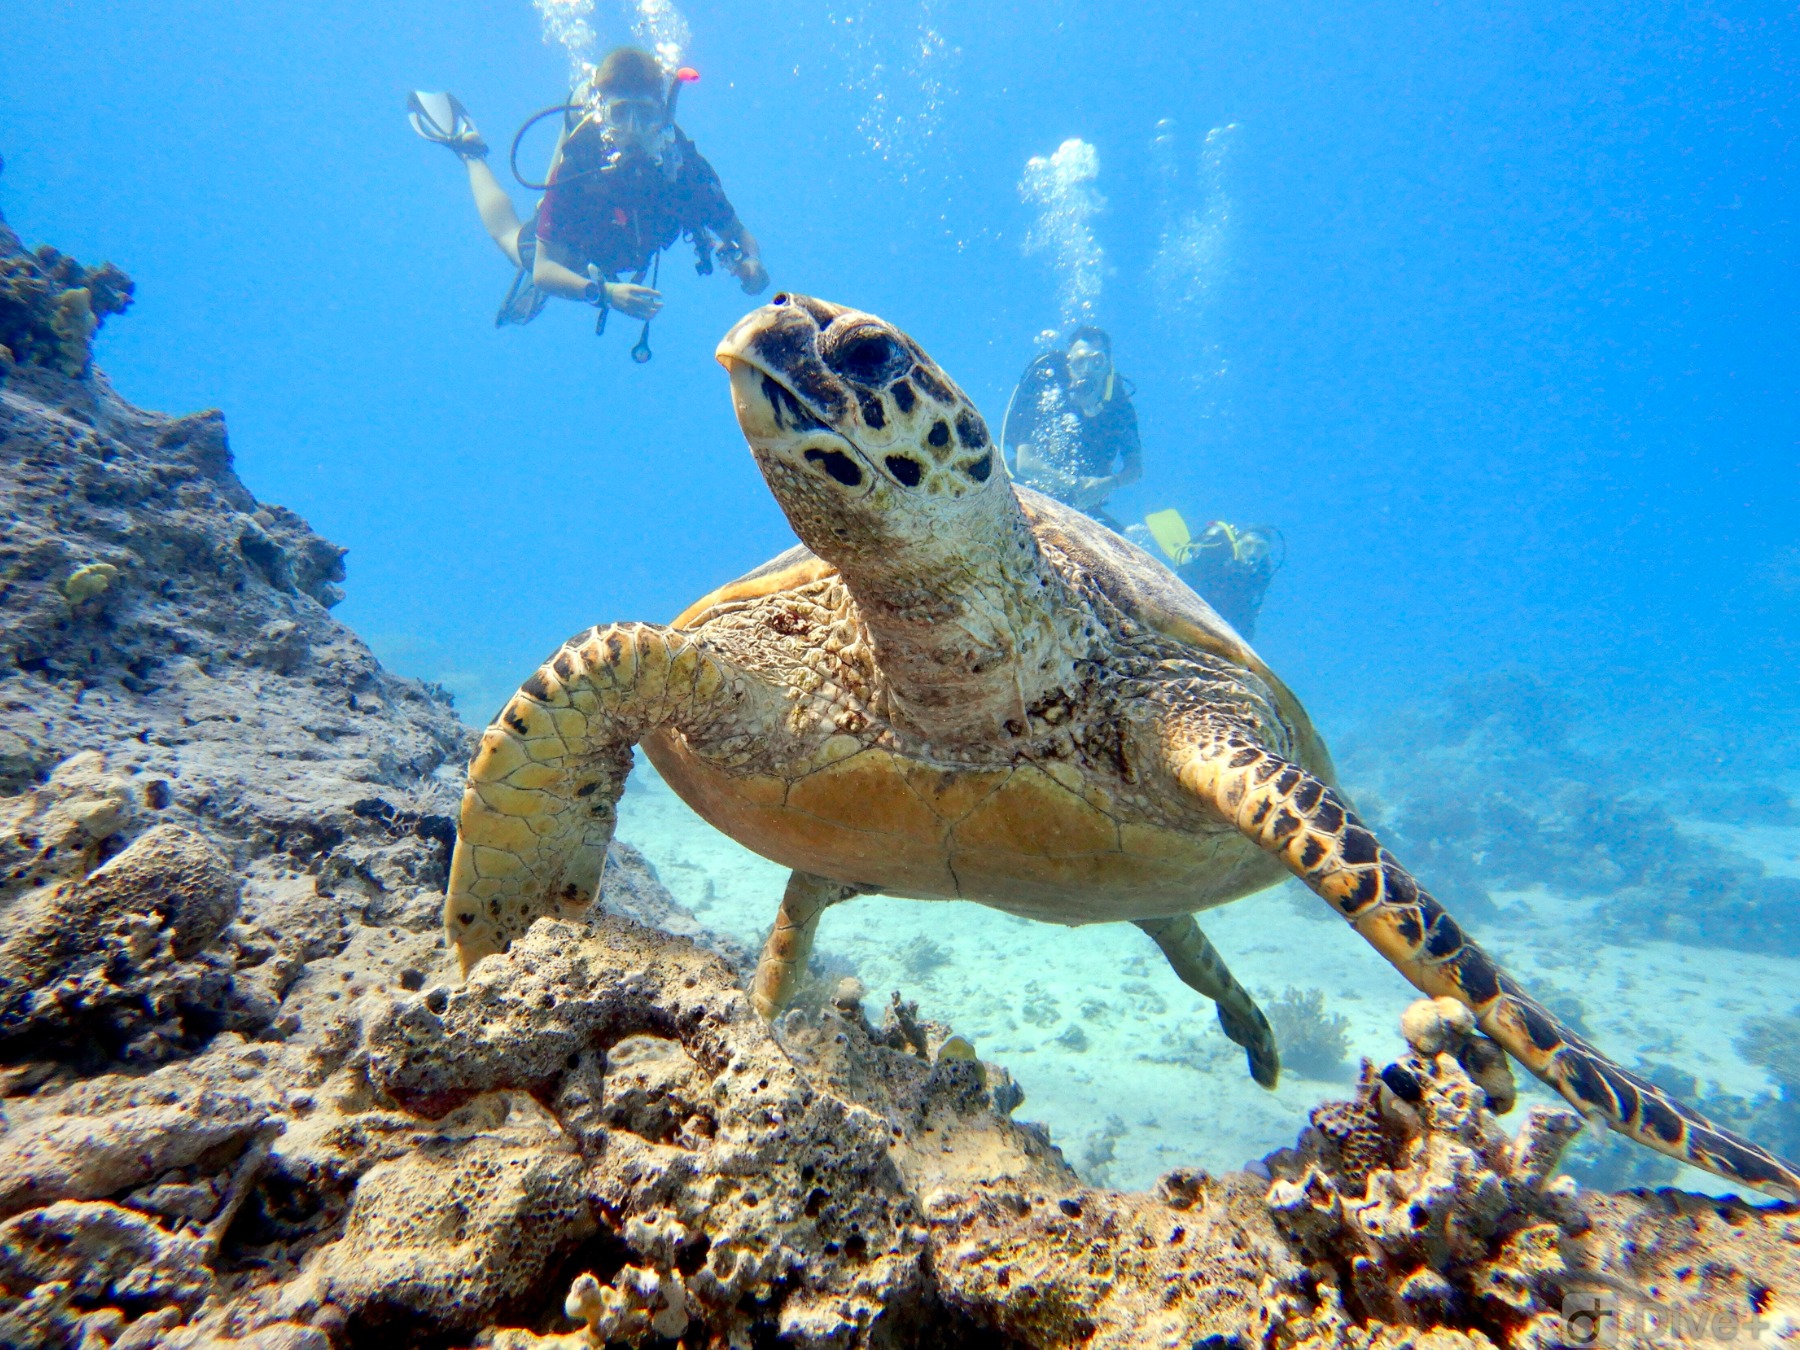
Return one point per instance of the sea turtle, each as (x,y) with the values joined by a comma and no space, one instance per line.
(960,689)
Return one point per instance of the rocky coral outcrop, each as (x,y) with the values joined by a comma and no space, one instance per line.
(51,306)
(114,963)
(1413,1207)
(144,1139)
(734,1185)
(168,663)
(220,820)
(458,1230)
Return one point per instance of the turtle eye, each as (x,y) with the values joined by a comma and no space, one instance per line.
(866,356)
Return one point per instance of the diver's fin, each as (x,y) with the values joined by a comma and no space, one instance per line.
(524,301)
(442,120)
(1170,532)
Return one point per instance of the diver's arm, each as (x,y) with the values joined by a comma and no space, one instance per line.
(552,277)
(549,273)
(1130,452)
(1030,468)
(1132,467)
(708,208)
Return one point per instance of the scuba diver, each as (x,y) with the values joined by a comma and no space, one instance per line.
(1069,421)
(624,184)
(1229,566)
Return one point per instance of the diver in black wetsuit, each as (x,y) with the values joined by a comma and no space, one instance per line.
(1070,421)
(1229,566)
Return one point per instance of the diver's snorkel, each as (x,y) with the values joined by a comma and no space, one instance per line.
(686,75)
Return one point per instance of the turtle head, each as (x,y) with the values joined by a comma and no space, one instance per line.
(867,445)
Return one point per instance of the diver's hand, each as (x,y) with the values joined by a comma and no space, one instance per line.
(751,274)
(640,302)
(1092,491)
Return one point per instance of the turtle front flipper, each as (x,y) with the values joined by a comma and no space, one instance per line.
(1304,823)
(544,786)
(1198,965)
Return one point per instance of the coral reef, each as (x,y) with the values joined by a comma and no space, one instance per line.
(113,961)
(1413,1207)
(1489,786)
(51,306)
(1312,1041)
(191,872)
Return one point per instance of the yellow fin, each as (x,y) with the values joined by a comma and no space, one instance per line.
(1170,532)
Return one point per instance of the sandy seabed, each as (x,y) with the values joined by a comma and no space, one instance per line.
(1128,1067)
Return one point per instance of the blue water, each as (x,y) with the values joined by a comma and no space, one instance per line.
(1504,308)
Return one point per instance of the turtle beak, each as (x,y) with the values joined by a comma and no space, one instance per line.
(770,355)
(755,410)
(786,402)
(735,345)
(754,388)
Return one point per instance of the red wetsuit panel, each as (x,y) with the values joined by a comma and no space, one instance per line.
(618,216)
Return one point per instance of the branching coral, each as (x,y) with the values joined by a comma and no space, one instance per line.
(1413,1207)
(1313,1042)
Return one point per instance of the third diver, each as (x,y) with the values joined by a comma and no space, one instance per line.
(1069,421)
(624,184)
(1229,566)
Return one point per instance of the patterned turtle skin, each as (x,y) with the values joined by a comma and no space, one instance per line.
(959,689)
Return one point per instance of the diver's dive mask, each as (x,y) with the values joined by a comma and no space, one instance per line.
(1258,547)
(1090,371)
(635,126)
(633,116)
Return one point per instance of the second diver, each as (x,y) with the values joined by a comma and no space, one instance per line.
(624,184)
(1069,421)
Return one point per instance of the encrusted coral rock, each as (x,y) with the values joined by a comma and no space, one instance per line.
(737,1185)
(116,956)
(1052,1267)
(1730,1268)
(110,1134)
(1413,1207)
(50,305)
(55,830)
(459,1230)
(103,1255)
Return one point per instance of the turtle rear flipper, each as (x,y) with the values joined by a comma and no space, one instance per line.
(1198,965)
(1306,824)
